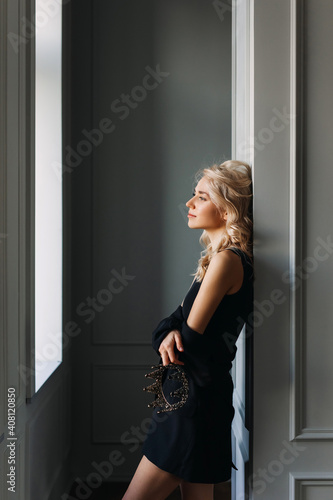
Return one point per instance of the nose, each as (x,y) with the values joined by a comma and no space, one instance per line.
(189,203)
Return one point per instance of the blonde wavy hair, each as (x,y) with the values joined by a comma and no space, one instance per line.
(230,189)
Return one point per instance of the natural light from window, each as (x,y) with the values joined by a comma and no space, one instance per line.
(48,192)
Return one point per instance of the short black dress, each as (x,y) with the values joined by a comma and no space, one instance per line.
(194,442)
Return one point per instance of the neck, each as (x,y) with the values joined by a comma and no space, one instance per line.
(215,236)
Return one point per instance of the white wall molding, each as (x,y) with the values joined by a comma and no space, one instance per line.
(299,482)
(295,235)
(298,429)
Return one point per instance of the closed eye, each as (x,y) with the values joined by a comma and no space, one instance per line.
(200,197)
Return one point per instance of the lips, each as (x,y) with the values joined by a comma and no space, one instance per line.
(191,215)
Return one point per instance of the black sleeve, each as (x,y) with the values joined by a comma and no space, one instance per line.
(172,322)
(198,354)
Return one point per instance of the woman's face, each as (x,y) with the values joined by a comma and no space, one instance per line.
(202,213)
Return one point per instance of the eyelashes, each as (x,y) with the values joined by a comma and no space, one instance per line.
(200,197)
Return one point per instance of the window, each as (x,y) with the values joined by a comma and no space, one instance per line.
(48,190)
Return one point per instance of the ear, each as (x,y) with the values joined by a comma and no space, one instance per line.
(224,216)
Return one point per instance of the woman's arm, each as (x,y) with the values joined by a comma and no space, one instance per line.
(186,335)
(200,351)
(223,272)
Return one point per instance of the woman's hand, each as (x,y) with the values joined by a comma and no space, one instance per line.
(167,348)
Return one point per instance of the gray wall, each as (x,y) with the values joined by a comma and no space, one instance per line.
(289,142)
(129,195)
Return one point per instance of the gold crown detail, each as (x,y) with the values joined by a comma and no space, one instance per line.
(156,388)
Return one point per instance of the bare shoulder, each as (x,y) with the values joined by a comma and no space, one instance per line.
(225,260)
(226,265)
(222,277)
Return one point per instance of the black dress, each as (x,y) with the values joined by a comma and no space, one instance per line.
(194,442)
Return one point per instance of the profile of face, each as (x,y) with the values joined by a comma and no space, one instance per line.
(203,214)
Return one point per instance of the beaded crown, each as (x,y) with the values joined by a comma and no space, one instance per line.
(174,373)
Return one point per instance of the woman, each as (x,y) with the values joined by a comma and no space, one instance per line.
(190,446)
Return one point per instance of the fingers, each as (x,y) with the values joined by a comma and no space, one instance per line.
(165,357)
(177,362)
(179,343)
(174,358)
(167,348)
(168,356)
